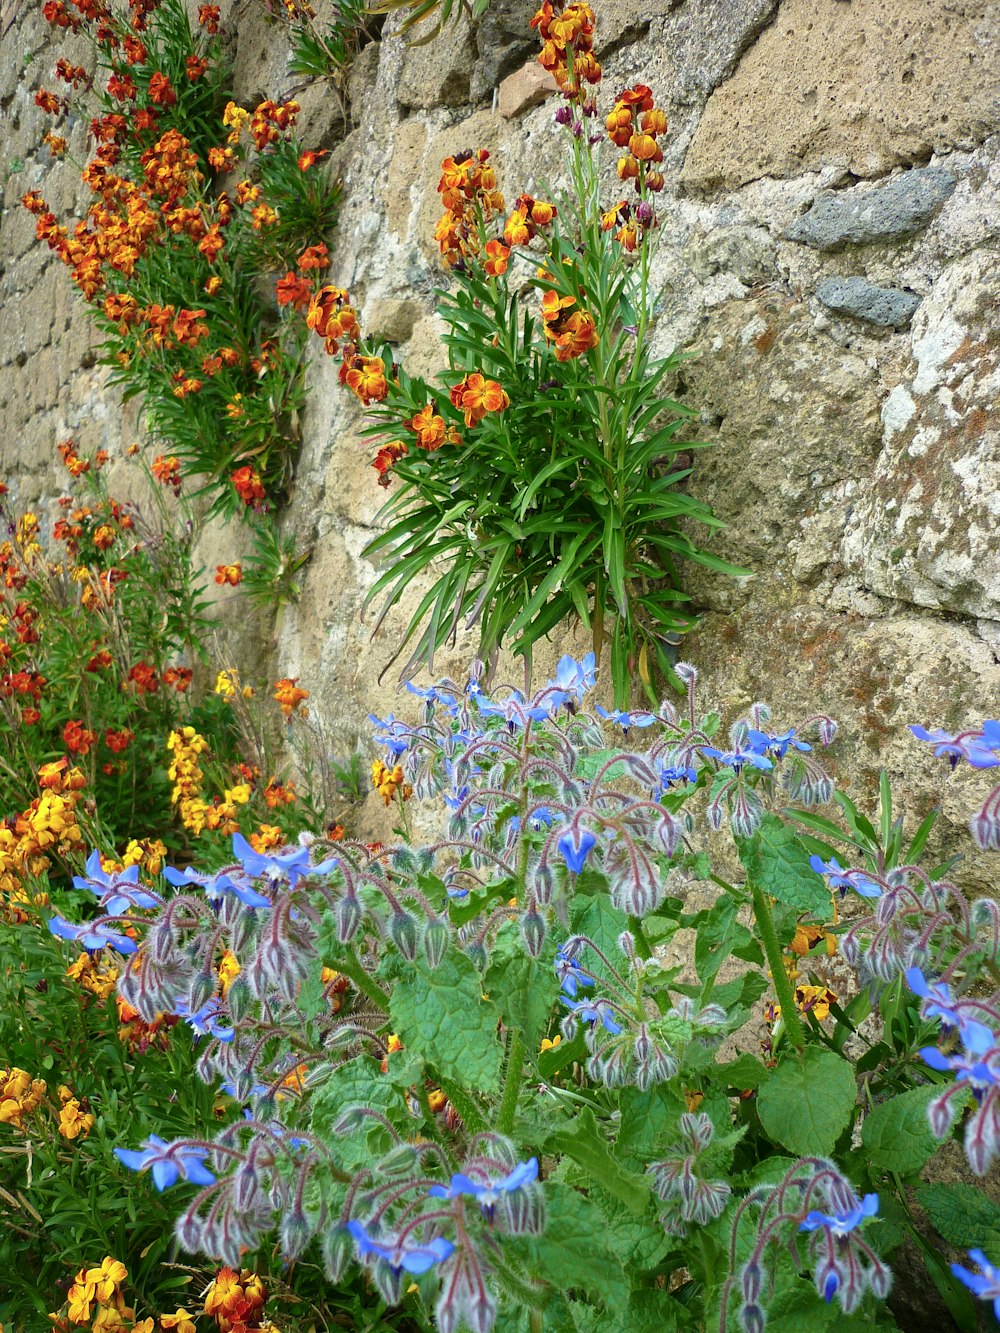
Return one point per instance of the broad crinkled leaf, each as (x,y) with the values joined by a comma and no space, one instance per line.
(775,857)
(896,1134)
(587,1146)
(523,988)
(807,1103)
(574,1254)
(443,1017)
(963,1215)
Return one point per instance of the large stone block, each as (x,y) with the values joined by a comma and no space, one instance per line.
(866,86)
(902,206)
(925,531)
(439,72)
(792,419)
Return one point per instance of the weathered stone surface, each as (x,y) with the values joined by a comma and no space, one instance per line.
(706,40)
(868,86)
(926,528)
(884,306)
(504,41)
(392,319)
(525,88)
(439,73)
(793,421)
(900,207)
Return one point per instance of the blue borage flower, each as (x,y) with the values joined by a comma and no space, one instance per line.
(168,1162)
(986,1284)
(538,819)
(939,1003)
(488,1192)
(575,846)
(737,759)
(974,746)
(842,1223)
(571,975)
(204,1022)
(217,885)
(393,734)
(119,891)
(626,720)
(411,1258)
(594,1011)
(763,743)
(291,865)
(92,936)
(573,678)
(842,879)
(674,775)
(978,1065)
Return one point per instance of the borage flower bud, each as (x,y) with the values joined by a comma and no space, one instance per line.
(349,915)
(533,931)
(337,1250)
(751,1281)
(294,1234)
(437,937)
(403,933)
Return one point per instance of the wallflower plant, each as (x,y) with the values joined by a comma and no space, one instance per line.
(195,198)
(541,478)
(469,1066)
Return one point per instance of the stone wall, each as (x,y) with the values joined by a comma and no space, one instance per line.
(828,255)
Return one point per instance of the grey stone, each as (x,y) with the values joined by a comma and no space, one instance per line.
(900,207)
(887,307)
(438,73)
(707,40)
(504,41)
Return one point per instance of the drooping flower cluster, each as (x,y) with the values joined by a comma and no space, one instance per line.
(468,189)
(567,33)
(975,1065)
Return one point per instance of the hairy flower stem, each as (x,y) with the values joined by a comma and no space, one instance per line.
(467,1109)
(782,986)
(512,1084)
(351,967)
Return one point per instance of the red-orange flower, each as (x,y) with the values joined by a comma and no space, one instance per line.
(497,255)
(208,17)
(229,574)
(430,429)
(77,737)
(117,741)
(290,696)
(144,678)
(315,256)
(294,291)
(476,396)
(249,486)
(386,458)
(365,377)
(167,471)
(178,677)
(161,90)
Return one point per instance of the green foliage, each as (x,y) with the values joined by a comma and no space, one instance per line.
(807,1104)
(442,1013)
(896,1135)
(180,291)
(568,500)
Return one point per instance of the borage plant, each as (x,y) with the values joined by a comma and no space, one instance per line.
(543,478)
(470,1067)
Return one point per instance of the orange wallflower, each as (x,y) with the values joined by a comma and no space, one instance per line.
(144,678)
(430,429)
(365,377)
(476,396)
(294,291)
(78,738)
(249,486)
(386,459)
(289,696)
(231,574)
